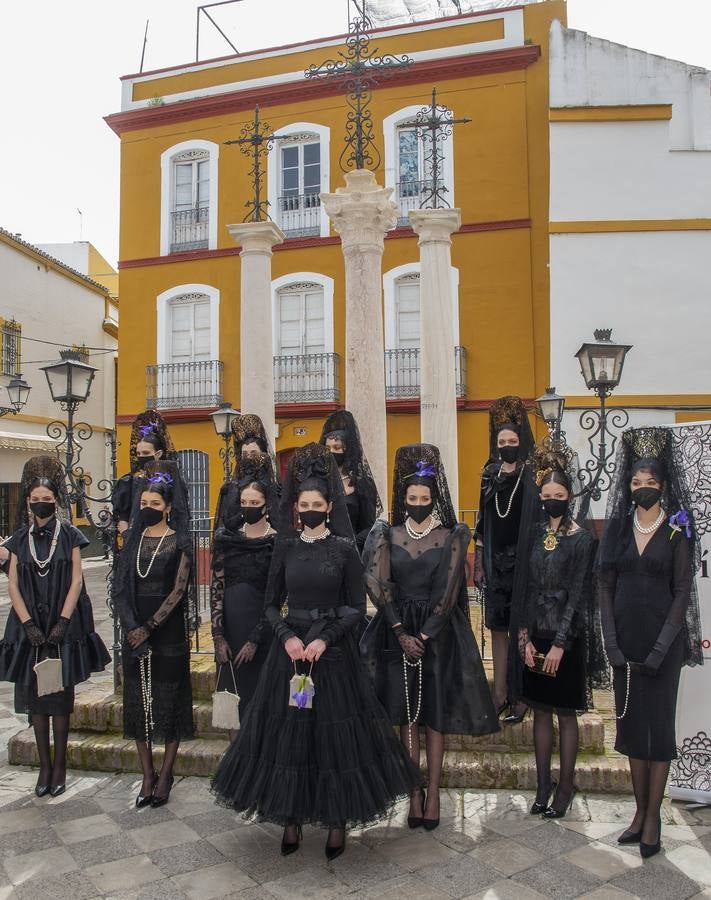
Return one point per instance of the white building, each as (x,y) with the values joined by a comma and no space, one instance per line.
(47,306)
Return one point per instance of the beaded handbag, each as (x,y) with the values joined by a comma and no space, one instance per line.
(49,675)
(225,705)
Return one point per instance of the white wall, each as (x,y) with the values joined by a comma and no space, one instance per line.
(74,255)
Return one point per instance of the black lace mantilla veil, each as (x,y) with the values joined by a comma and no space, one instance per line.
(654,443)
(247,429)
(355,463)
(510,412)
(248,469)
(146,423)
(42,467)
(408,460)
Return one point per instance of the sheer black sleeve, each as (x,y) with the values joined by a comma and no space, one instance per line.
(276,591)
(376,559)
(607,584)
(449,579)
(576,587)
(175,597)
(682,576)
(353,595)
(217,594)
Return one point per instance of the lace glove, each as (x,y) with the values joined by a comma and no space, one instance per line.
(479,576)
(222,650)
(412,647)
(56,635)
(522,642)
(34,634)
(246,654)
(138,636)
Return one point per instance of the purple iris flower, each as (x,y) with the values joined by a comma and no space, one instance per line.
(161,478)
(145,430)
(424,470)
(681,521)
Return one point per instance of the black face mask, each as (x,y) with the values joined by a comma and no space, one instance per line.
(312,518)
(646,497)
(150,516)
(43,509)
(556,508)
(508,454)
(252,514)
(339,457)
(418,513)
(233,520)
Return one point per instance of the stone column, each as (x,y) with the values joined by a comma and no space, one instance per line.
(256,335)
(361,213)
(438,396)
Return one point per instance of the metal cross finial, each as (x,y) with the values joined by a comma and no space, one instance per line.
(434,125)
(358,69)
(256,140)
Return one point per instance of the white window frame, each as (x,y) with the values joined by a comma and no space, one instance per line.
(390,279)
(166,190)
(324,282)
(323,133)
(164,326)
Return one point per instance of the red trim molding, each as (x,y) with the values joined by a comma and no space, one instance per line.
(174,416)
(305,410)
(430,71)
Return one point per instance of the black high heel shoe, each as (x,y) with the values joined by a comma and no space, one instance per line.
(431,824)
(142,801)
(157,801)
(516,718)
(41,790)
(502,709)
(647,850)
(416,821)
(57,790)
(553,813)
(630,837)
(334,852)
(540,806)
(289,847)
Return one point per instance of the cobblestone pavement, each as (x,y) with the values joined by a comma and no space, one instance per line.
(92,842)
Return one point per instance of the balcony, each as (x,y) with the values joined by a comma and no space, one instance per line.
(410,195)
(306,378)
(300,215)
(189,229)
(402,373)
(187,385)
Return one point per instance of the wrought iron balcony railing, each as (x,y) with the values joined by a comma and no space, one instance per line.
(190,229)
(300,215)
(410,195)
(184,385)
(306,378)
(402,373)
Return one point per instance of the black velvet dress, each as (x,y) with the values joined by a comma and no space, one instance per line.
(164,588)
(555,615)
(239,582)
(643,601)
(421,584)
(339,763)
(82,652)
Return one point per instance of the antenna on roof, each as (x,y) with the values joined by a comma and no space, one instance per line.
(145,41)
(204,10)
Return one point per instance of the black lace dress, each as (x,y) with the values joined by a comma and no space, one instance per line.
(339,763)
(240,567)
(643,601)
(162,596)
(82,652)
(555,614)
(421,584)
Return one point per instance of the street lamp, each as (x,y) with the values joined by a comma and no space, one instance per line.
(550,409)
(18,390)
(222,419)
(69,379)
(601,364)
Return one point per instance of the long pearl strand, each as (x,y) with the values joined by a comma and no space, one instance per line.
(411,720)
(144,668)
(511,498)
(627,696)
(153,558)
(649,529)
(43,564)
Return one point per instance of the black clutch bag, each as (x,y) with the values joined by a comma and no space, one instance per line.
(538,660)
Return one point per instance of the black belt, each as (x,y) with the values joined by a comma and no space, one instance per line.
(308,616)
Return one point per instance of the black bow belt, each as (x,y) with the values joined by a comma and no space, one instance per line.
(317,619)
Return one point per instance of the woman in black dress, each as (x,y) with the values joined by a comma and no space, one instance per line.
(150,441)
(250,437)
(316,746)
(341,435)
(242,551)
(152,600)
(508,498)
(420,646)
(558,658)
(51,615)
(649,613)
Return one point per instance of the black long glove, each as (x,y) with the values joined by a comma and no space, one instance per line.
(56,634)
(34,633)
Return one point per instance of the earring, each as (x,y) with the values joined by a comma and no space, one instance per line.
(328,521)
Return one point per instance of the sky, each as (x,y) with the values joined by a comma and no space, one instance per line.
(58,156)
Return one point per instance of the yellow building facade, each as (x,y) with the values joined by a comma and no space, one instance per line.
(181,186)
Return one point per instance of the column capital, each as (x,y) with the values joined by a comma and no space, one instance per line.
(256,237)
(362,211)
(435,225)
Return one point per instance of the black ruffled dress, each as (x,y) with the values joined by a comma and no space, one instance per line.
(165,588)
(643,601)
(122,498)
(82,652)
(239,583)
(339,763)
(421,584)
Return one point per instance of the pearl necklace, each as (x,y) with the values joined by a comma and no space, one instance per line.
(43,564)
(153,557)
(255,536)
(311,539)
(627,696)
(649,529)
(144,669)
(418,535)
(511,498)
(412,720)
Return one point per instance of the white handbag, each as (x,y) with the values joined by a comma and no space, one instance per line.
(225,705)
(49,675)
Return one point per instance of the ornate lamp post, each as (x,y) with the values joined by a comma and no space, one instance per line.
(222,419)
(550,408)
(18,390)
(601,364)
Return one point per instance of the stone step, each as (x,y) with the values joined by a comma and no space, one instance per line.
(109,752)
(100,711)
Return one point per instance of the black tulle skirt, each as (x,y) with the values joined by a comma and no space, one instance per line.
(338,764)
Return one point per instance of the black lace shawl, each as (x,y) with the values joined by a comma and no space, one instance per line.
(408,460)
(238,559)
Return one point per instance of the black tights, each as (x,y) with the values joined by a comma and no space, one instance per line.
(543,743)
(649,781)
(434,745)
(52,773)
(145,754)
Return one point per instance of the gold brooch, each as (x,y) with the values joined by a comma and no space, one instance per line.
(550,542)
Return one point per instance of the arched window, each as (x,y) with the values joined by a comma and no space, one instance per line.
(297,172)
(189,197)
